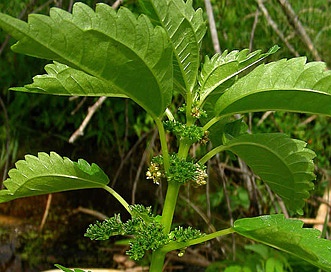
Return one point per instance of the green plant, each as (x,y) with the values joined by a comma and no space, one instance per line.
(148,59)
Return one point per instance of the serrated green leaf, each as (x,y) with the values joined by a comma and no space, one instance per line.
(287,85)
(49,174)
(222,68)
(185,28)
(133,57)
(289,236)
(285,164)
(63,80)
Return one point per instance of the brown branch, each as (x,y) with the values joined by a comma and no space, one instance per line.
(117,4)
(296,24)
(96,214)
(48,205)
(212,26)
(91,110)
(256,18)
(323,211)
(313,221)
(308,120)
(274,26)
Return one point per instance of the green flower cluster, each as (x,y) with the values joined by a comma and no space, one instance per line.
(146,229)
(180,171)
(194,133)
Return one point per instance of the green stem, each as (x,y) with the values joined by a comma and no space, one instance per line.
(211,122)
(164,146)
(212,153)
(169,206)
(179,245)
(118,197)
(157,262)
(166,220)
(184,147)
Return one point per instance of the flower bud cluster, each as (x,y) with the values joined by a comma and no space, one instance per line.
(146,229)
(154,173)
(197,112)
(180,171)
(194,133)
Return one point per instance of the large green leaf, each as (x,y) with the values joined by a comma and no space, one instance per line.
(283,163)
(287,235)
(287,85)
(224,67)
(49,174)
(185,28)
(133,57)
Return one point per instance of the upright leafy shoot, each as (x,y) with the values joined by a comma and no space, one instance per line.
(146,58)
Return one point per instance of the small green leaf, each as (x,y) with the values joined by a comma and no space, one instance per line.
(283,163)
(219,69)
(289,236)
(132,57)
(286,85)
(49,174)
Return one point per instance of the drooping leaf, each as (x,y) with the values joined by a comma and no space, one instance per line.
(133,57)
(224,67)
(49,174)
(287,85)
(63,80)
(285,164)
(185,28)
(287,235)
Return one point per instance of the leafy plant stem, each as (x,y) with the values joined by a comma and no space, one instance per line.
(169,205)
(157,262)
(184,147)
(158,256)
(189,99)
(179,245)
(212,122)
(118,197)
(163,140)
(212,153)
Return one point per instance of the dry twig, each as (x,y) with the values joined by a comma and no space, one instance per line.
(212,26)
(256,18)
(274,26)
(323,211)
(96,214)
(296,24)
(90,113)
(46,212)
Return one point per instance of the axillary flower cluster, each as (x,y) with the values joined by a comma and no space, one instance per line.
(180,171)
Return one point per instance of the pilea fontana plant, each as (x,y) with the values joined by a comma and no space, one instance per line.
(149,59)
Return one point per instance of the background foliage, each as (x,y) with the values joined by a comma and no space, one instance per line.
(122,142)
